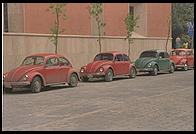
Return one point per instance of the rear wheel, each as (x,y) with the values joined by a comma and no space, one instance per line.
(73,80)
(36,85)
(109,75)
(171,68)
(155,70)
(132,73)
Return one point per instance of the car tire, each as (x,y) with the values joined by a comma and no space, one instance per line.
(84,79)
(109,75)
(186,67)
(73,80)
(172,68)
(8,90)
(132,73)
(155,71)
(36,85)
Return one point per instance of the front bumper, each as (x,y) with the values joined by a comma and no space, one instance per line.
(144,69)
(180,66)
(15,84)
(92,75)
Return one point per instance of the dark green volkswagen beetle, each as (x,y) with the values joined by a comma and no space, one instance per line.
(154,61)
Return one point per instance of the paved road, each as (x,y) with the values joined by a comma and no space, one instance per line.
(163,102)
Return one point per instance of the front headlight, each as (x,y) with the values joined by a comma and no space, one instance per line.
(3,77)
(101,69)
(82,70)
(25,77)
(149,65)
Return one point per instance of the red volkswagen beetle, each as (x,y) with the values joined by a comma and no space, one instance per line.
(108,65)
(39,70)
(183,58)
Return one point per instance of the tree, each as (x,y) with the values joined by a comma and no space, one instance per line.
(96,10)
(58,10)
(130,23)
(169,30)
(181,14)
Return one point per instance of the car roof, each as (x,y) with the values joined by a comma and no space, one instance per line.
(46,55)
(155,50)
(113,52)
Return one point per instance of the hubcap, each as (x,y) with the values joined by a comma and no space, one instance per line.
(37,86)
(133,72)
(73,80)
(155,71)
(110,75)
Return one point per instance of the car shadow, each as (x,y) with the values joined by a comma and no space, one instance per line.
(45,89)
(99,80)
(148,74)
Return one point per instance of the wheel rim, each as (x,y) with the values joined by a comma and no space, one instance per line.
(73,80)
(133,72)
(110,75)
(172,68)
(37,86)
(155,70)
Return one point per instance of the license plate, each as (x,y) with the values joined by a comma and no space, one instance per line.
(7,85)
(90,75)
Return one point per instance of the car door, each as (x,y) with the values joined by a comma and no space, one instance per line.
(163,61)
(64,68)
(126,64)
(118,64)
(51,71)
(190,58)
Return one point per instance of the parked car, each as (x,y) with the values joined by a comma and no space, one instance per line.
(108,65)
(39,70)
(183,58)
(154,61)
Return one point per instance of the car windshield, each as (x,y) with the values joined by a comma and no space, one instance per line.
(35,60)
(103,57)
(178,52)
(148,54)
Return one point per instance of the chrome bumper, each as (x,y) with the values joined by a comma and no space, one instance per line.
(10,84)
(179,66)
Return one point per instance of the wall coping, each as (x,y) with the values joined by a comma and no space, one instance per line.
(81,36)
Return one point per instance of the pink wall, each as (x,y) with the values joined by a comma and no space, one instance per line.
(38,20)
(114,15)
(157,16)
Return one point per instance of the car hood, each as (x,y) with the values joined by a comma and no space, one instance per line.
(17,73)
(176,58)
(93,66)
(141,62)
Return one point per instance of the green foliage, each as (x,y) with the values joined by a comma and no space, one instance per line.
(96,10)
(58,10)
(131,24)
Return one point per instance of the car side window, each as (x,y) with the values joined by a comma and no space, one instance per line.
(189,53)
(119,57)
(126,58)
(52,62)
(161,55)
(166,55)
(63,61)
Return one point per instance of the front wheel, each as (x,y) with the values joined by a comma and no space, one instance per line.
(36,85)
(109,75)
(171,68)
(132,73)
(155,71)
(73,80)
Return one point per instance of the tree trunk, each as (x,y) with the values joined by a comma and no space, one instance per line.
(168,36)
(57,28)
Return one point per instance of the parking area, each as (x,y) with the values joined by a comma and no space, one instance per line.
(163,102)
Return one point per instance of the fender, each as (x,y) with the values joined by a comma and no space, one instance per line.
(33,74)
(154,63)
(72,70)
(106,67)
(132,65)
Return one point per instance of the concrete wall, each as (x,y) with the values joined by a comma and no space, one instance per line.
(80,50)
